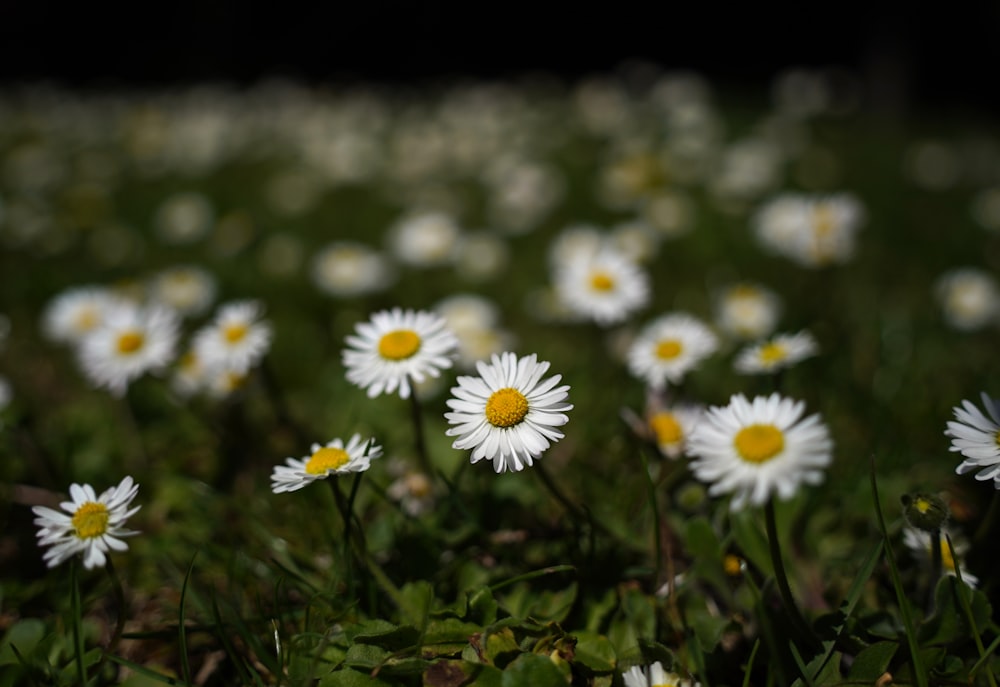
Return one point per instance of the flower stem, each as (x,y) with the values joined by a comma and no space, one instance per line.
(416,414)
(657,537)
(119,593)
(77,620)
(936,564)
(787,599)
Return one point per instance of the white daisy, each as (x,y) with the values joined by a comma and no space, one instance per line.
(345,269)
(811,230)
(75,313)
(236,339)
(425,240)
(977,438)
(397,347)
(188,290)
(780,352)
(91,525)
(747,311)
(129,342)
(919,542)
(760,448)
(671,427)
(969,298)
(507,414)
(654,676)
(603,285)
(670,347)
(333,459)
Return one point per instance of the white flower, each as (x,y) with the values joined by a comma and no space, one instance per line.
(187,290)
(757,449)
(919,542)
(969,297)
(976,436)
(654,676)
(811,230)
(91,525)
(671,427)
(333,459)
(184,218)
(425,240)
(344,269)
(236,339)
(74,314)
(603,285)
(670,347)
(397,347)
(129,342)
(747,311)
(782,351)
(507,414)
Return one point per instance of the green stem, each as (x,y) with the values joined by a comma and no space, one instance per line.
(77,620)
(657,535)
(119,594)
(787,599)
(345,515)
(936,564)
(416,414)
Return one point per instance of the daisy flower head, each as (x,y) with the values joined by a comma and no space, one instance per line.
(397,347)
(671,426)
(670,347)
(425,240)
(88,524)
(344,269)
(236,339)
(976,435)
(129,342)
(756,449)
(187,290)
(335,458)
(603,285)
(920,544)
(507,414)
(747,311)
(780,352)
(654,676)
(75,313)
(969,298)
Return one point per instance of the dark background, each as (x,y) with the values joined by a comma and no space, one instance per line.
(945,57)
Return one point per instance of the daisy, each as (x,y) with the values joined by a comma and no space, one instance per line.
(670,347)
(760,448)
(425,240)
(333,459)
(671,427)
(236,339)
(977,438)
(507,414)
(601,285)
(969,297)
(654,676)
(129,342)
(75,313)
(344,269)
(782,351)
(919,542)
(396,348)
(188,290)
(747,311)
(91,525)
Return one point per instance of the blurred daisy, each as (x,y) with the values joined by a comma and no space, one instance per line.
(654,676)
(670,347)
(236,339)
(91,525)
(75,313)
(333,459)
(188,377)
(756,449)
(184,218)
(603,286)
(507,414)
(414,491)
(977,438)
(481,255)
(397,347)
(473,319)
(671,427)
(811,230)
(425,240)
(129,342)
(969,298)
(747,311)
(780,352)
(187,290)
(345,269)
(919,542)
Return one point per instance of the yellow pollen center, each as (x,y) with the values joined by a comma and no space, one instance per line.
(602,281)
(506,407)
(234,333)
(668,431)
(90,520)
(922,505)
(130,342)
(759,443)
(327,458)
(399,345)
(773,352)
(668,349)
(733,565)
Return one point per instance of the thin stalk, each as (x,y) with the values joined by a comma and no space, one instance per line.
(119,594)
(936,564)
(77,620)
(578,514)
(961,589)
(657,535)
(787,599)
(345,516)
(417,416)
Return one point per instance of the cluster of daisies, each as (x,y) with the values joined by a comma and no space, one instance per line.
(120,335)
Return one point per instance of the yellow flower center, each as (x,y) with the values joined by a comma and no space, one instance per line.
(773,352)
(759,443)
(130,342)
(923,505)
(90,520)
(668,349)
(666,427)
(506,407)
(602,281)
(234,333)
(732,565)
(399,345)
(327,458)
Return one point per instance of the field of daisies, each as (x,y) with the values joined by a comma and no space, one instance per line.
(634,381)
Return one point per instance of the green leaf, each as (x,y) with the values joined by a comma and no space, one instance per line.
(948,624)
(872,662)
(365,656)
(534,670)
(25,636)
(594,651)
(353,678)
(449,630)
(488,676)
(501,647)
(482,606)
(417,598)
(386,635)
(449,673)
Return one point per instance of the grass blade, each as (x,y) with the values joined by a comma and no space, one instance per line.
(181,631)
